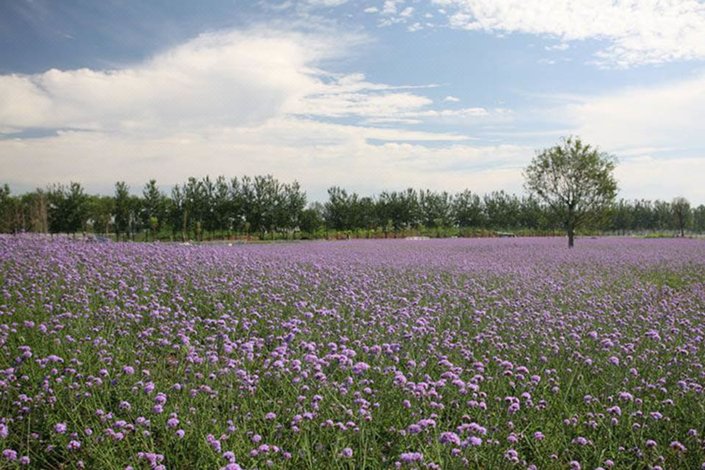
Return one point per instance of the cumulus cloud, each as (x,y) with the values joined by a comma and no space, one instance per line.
(255,101)
(635,32)
(219,79)
(215,79)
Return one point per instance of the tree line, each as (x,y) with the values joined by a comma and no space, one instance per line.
(265,207)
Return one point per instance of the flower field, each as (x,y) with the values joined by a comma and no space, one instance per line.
(504,353)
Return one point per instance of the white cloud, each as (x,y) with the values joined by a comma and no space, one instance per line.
(248,102)
(656,132)
(390,7)
(451,99)
(637,32)
(407,12)
(327,3)
(216,79)
(667,115)
(352,95)
(563,46)
(658,178)
(316,154)
(225,79)
(394,12)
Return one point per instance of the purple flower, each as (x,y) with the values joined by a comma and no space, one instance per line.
(160,399)
(360,367)
(449,438)
(677,446)
(347,452)
(410,457)
(60,428)
(74,445)
(511,455)
(414,429)
(215,443)
(474,441)
(9,454)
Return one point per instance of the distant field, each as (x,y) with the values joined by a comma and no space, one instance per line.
(479,353)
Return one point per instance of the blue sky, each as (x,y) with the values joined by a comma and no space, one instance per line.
(369,95)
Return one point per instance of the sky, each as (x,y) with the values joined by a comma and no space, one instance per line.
(369,95)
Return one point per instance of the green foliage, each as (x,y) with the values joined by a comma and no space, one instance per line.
(154,207)
(100,213)
(7,209)
(576,182)
(122,208)
(68,208)
(682,214)
(263,207)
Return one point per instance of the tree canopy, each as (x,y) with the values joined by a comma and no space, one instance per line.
(575,180)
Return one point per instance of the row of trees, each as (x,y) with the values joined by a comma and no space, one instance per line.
(199,206)
(264,206)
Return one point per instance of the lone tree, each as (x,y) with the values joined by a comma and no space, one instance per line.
(575,180)
(681,213)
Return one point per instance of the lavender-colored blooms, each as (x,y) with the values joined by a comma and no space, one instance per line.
(433,354)
(410,457)
(73,445)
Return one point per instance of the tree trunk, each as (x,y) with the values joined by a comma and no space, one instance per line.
(571,237)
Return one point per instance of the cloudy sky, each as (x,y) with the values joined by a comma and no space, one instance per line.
(365,94)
